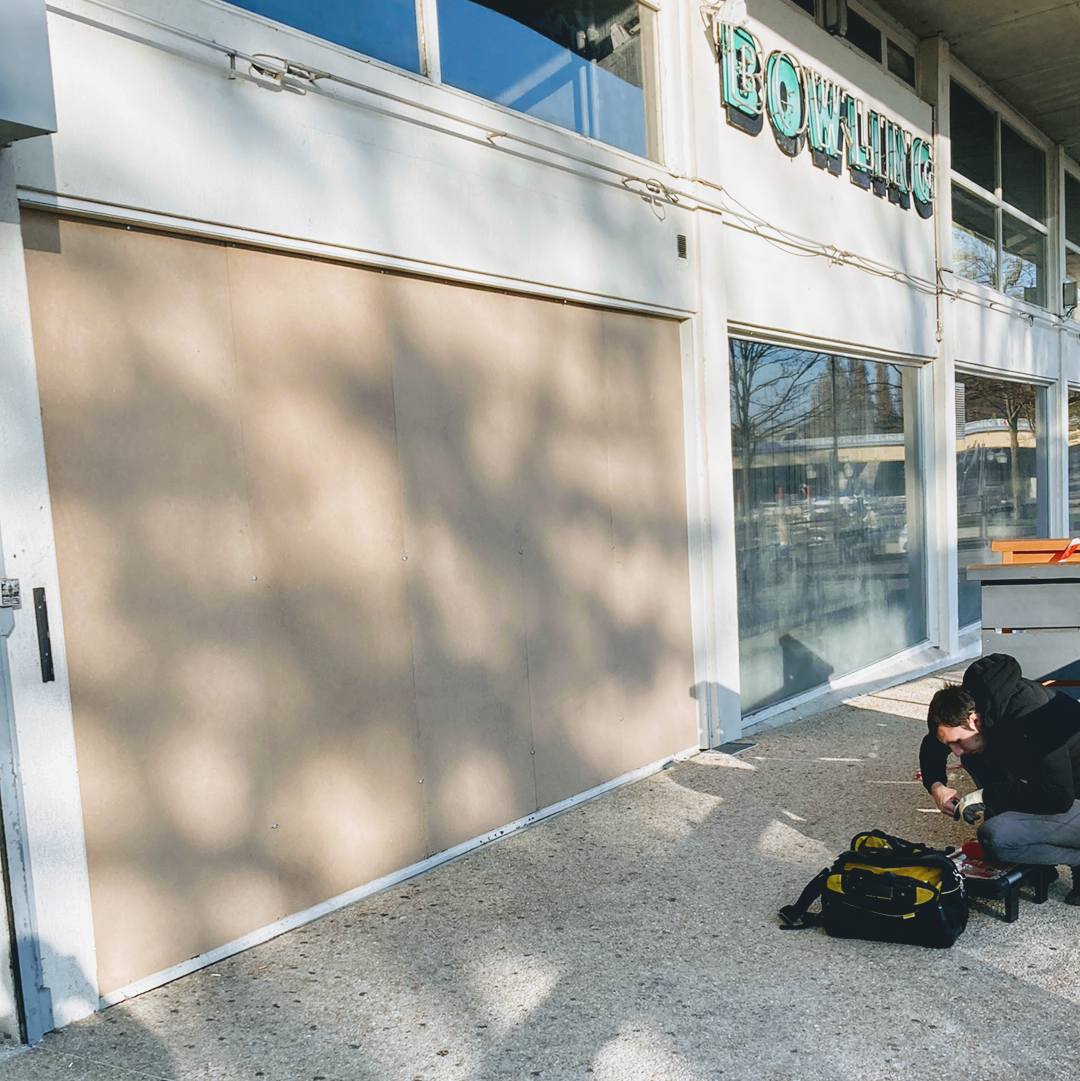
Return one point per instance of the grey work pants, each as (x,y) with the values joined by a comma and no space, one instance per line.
(1015,837)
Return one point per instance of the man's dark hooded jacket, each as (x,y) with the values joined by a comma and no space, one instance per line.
(1032,758)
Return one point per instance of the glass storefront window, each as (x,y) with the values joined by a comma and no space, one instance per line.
(974,244)
(580,66)
(386,30)
(827,517)
(1074,463)
(997,466)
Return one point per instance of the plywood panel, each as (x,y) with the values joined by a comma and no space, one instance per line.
(606,572)
(162,625)
(462,388)
(651,587)
(231,573)
(355,567)
(569,570)
(315,343)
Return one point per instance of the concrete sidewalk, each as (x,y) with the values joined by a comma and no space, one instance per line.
(633,937)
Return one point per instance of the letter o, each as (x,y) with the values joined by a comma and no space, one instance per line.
(784,94)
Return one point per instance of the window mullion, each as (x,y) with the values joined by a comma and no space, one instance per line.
(1055,229)
(999,190)
(999,241)
(970,186)
(427,26)
(1019,215)
(998,216)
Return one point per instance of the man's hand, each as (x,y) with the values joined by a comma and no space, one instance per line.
(970,807)
(946,798)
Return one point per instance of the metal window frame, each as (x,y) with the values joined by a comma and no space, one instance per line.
(1046,444)
(1070,389)
(1073,173)
(1001,112)
(917,372)
(428,43)
(890,30)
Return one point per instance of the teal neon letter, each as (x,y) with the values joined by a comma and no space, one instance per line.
(922,171)
(898,146)
(741,70)
(858,155)
(875,138)
(823,113)
(784,94)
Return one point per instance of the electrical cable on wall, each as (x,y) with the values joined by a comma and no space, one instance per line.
(279,73)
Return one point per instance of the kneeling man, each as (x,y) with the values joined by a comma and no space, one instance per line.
(1020,743)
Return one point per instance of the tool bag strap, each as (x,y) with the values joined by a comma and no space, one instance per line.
(888,843)
(796,917)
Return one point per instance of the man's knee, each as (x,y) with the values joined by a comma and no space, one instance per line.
(1016,837)
(1004,839)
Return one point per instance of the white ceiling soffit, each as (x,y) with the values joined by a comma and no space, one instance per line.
(1026,50)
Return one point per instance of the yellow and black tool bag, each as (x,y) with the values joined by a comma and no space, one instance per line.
(887,889)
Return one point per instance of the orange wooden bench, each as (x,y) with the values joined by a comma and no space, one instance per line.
(1038,550)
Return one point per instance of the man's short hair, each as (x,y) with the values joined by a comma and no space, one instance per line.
(949,708)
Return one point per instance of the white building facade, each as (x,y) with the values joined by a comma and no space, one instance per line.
(417,423)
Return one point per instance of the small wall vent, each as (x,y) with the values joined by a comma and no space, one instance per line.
(680,245)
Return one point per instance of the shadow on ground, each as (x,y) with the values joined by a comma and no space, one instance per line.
(634,937)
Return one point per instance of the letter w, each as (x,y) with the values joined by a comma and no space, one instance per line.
(823,100)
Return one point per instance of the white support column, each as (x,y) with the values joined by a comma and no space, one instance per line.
(691,99)
(39,784)
(1061,525)
(940,413)
(1057,405)
(713,579)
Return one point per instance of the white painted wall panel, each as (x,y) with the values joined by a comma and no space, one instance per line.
(143,128)
(993,338)
(816,294)
(825,303)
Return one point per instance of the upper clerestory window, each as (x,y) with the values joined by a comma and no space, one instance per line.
(585,66)
(999,191)
(385,30)
(582,66)
(866,33)
(1071,199)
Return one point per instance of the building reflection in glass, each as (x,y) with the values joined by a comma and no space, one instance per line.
(829,532)
(998,461)
(1074,463)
